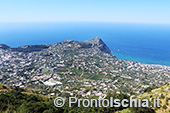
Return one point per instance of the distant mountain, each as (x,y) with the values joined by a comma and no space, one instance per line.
(93,43)
(3,46)
(30,48)
(96,42)
(25,49)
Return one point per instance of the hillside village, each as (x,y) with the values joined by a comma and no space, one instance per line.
(76,68)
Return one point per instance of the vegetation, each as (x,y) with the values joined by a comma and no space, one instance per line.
(19,102)
(149,89)
(15,101)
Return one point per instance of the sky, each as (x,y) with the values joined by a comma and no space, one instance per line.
(137,11)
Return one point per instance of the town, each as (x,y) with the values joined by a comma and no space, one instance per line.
(72,68)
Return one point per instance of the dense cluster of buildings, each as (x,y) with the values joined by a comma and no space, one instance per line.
(78,68)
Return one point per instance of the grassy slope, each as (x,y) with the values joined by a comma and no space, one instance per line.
(4,88)
(164,95)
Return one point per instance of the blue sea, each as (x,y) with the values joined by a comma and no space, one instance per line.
(145,43)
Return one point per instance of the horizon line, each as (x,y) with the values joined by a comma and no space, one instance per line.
(84,22)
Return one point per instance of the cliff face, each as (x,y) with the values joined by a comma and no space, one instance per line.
(97,42)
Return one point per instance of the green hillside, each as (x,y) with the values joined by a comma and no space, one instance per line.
(164,95)
(14,100)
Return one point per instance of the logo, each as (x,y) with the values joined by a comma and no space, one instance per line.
(59,102)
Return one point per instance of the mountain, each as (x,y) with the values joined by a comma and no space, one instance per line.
(30,48)
(3,46)
(25,49)
(96,42)
(70,66)
(93,43)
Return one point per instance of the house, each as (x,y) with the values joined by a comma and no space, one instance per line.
(1,77)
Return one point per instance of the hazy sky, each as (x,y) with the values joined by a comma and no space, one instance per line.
(140,11)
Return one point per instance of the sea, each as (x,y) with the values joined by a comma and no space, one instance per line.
(145,43)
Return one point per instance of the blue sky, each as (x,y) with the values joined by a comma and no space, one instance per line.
(137,11)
